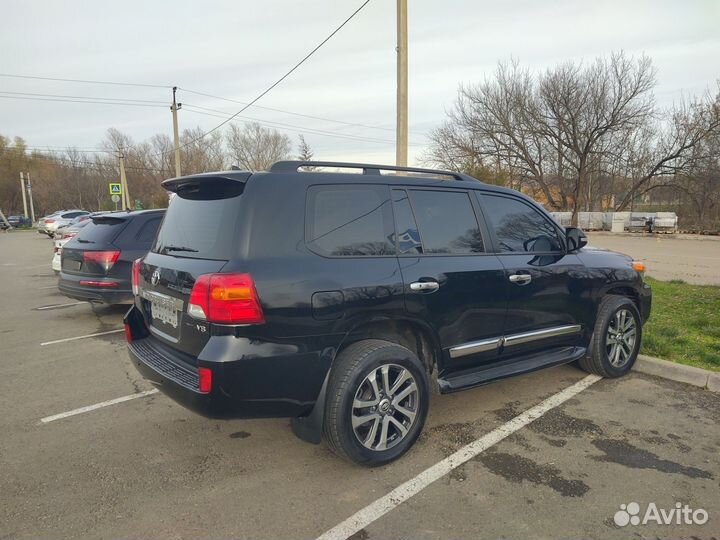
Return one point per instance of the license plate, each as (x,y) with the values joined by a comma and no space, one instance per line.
(164,313)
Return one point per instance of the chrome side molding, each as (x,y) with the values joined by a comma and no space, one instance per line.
(475,347)
(486,345)
(526,337)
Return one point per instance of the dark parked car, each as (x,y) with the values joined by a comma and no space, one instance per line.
(96,264)
(342,300)
(18,222)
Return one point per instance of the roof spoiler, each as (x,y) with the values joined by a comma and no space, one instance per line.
(194,181)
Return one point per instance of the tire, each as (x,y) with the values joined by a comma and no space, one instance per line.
(604,359)
(354,369)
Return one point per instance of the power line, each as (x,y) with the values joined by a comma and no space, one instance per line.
(352,124)
(98,165)
(281,79)
(82,101)
(85,81)
(83,97)
(291,127)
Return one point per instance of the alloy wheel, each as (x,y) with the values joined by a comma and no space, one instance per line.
(385,407)
(621,336)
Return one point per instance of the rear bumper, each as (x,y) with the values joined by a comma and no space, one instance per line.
(70,286)
(250,378)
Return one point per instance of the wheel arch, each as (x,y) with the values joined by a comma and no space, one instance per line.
(411,334)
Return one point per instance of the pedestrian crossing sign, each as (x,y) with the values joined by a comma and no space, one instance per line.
(115,189)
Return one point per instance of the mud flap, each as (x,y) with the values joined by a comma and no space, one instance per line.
(309,428)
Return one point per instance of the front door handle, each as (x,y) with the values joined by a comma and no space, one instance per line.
(424,286)
(521,279)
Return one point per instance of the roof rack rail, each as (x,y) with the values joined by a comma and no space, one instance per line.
(293,166)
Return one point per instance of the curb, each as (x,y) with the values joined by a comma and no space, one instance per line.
(678,372)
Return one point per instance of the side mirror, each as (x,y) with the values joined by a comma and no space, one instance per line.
(576,239)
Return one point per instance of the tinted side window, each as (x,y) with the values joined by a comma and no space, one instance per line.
(519,227)
(447,222)
(407,235)
(147,233)
(345,221)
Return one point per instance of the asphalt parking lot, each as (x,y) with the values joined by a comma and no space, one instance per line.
(692,258)
(147,468)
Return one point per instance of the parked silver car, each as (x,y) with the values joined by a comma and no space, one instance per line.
(49,224)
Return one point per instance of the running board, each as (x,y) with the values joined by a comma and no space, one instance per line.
(525,364)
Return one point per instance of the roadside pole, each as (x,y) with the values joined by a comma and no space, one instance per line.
(123,182)
(174,108)
(401,143)
(22,188)
(29,190)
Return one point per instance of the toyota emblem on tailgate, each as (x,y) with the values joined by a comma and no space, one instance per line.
(155,277)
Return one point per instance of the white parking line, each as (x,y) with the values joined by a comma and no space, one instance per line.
(89,408)
(65,340)
(58,306)
(402,493)
(49,287)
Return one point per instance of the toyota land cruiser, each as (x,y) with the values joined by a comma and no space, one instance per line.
(342,300)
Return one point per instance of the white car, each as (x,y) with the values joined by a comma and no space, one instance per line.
(68,233)
(50,224)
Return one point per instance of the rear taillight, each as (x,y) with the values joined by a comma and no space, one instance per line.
(204,380)
(49,221)
(99,284)
(136,276)
(106,259)
(128,333)
(225,299)
(68,235)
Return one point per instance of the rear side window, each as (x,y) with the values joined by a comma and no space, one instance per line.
(519,227)
(349,221)
(101,231)
(202,221)
(146,234)
(447,222)
(408,237)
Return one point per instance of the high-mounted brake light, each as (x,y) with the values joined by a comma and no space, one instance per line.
(106,259)
(225,299)
(136,276)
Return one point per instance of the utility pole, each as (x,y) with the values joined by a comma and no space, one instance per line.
(32,206)
(123,182)
(174,108)
(401,143)
(22,188)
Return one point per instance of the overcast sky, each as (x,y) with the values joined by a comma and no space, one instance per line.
(236,48)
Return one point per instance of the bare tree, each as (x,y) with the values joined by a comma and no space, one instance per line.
(256,148)
(575,133)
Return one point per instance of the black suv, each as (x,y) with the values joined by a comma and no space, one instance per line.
(342,300)
(96,264)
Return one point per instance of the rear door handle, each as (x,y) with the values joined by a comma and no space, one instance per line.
(428,286)
(521,279)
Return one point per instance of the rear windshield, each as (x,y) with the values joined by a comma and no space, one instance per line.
(201,224)
(101,231)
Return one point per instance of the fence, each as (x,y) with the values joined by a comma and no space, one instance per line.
(612,221)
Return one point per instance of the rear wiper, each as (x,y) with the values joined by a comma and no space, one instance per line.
(177,248)
(81,241)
